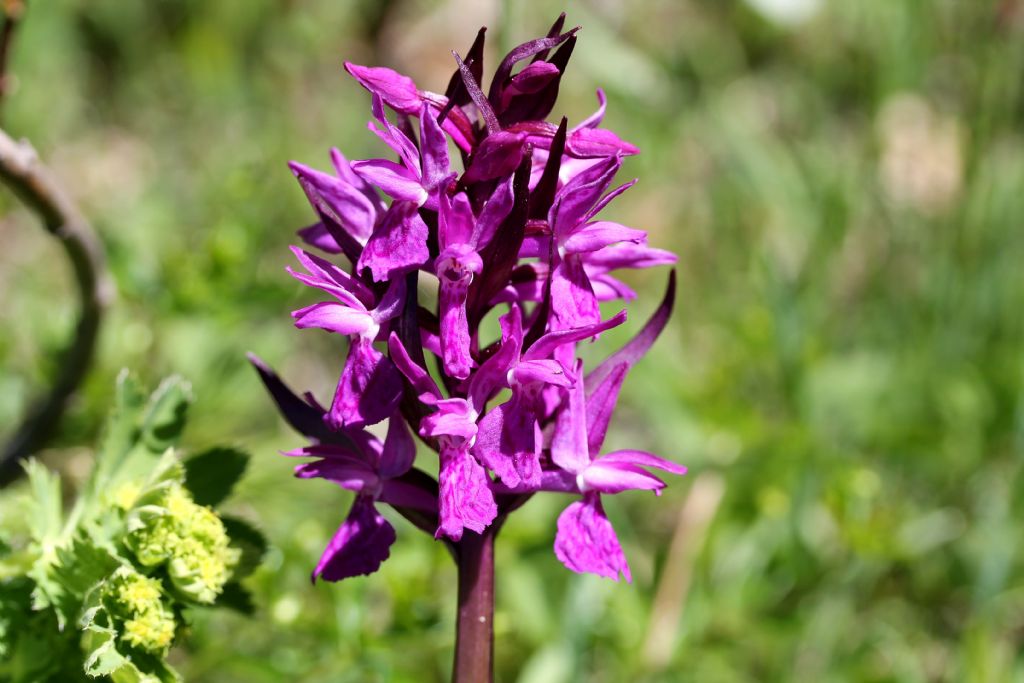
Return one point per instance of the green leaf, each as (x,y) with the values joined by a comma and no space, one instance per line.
(237,597)
(45,508)
(103,658)
(249,540)
(212,474)
(64,577)
(164,418)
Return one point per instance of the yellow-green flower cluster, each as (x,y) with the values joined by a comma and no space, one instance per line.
(189,538)
(137,602)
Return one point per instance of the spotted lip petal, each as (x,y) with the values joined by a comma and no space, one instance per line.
(586,541)
(359,546)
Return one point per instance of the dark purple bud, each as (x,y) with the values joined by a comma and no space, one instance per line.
(497,156)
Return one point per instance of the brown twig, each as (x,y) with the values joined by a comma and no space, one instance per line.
(38,188)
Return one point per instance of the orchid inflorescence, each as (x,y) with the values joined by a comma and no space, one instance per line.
(516,232)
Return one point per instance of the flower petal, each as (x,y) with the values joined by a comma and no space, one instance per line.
(466,498)
(398,244)
(600,234)
(394,179)
(399,451)
(573,302)
(586,541)
(643,459)
(369,388)
(618,477)
(434,149)
(333,317)
(424,386)
(569,449)
(398,92)
(359,545)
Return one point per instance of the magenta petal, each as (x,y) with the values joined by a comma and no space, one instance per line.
(455,328)
(546,371)
(466,498)
(643,459)
(434,146)
(455,221)
(569,449)
(578,195)
(348,474)
(600,234)
(333,317)
(399,449)
(489,451)
(369,389)
(495,210)
(398,91)
(513,438)
(586,541)
(590,143)
(492,375)
(601,405)
(395,180)
(339,199)
(595,119)
(617,477)
(424,386)
(359,545)
(530,80)
(574,303)
(317,235)
(398,244)
(629,255)
(453,418)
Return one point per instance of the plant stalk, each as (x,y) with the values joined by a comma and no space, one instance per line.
(474,634)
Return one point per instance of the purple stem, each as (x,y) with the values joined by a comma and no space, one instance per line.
(474,631)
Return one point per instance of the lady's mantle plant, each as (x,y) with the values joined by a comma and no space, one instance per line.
(100,593)
(511,225)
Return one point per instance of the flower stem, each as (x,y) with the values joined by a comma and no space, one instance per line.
(474,632)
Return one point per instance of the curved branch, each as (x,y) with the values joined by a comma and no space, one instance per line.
(38,188)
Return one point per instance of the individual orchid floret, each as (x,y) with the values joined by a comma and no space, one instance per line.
(369,388)
(421,172)
(373,471)
(349,208)
(586,541)
(460,236)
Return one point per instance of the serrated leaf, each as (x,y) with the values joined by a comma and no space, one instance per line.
(164,417)
(44,502)
(211,475)
(65,576)
(103,658)
(249,540)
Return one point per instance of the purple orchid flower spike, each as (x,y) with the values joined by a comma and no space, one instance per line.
(586,541)
(513,223)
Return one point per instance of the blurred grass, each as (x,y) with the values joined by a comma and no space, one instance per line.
(843,183)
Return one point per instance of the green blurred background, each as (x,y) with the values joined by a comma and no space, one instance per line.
(844,183)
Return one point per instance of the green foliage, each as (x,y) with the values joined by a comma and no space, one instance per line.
(101,593)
